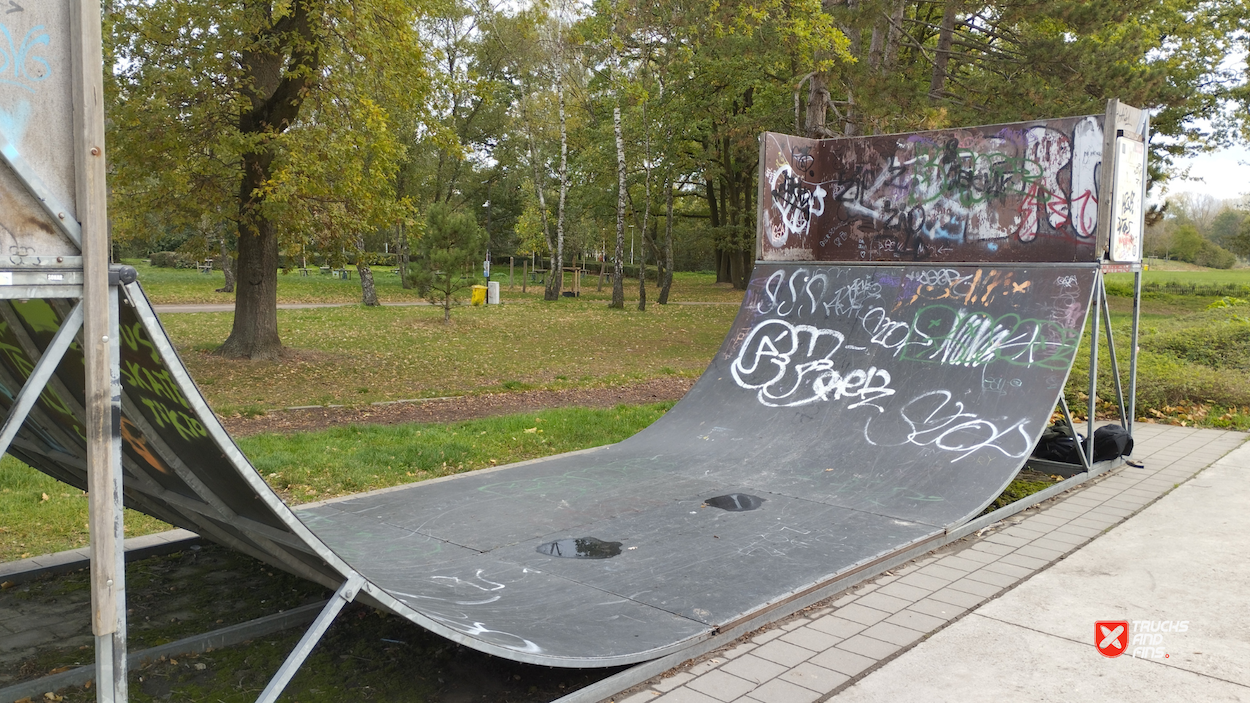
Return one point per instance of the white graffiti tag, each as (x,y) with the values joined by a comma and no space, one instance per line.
(804,292)
(793,365)
(797,205)
(935,419)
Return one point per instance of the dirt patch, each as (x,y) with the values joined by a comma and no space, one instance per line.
(463,408)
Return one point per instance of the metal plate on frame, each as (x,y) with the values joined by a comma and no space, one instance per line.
(1017,192)
(36,129)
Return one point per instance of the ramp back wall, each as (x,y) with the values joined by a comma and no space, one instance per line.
(1024,192)
(854,410)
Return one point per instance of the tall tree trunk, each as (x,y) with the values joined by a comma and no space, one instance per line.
(667,283)
(227,266)
(368,292)
(876,48)
(817,107)
(941,58)
(618,284)
(722,263)
(852,31)
(893,36)
(542,211)
(555,280)
(254,334)
(646,211)
(279,66)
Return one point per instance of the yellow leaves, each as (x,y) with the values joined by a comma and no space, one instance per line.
(44,498)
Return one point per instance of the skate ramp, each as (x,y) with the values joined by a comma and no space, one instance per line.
(854,410)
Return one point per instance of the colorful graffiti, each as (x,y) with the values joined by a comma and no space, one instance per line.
(1021,192)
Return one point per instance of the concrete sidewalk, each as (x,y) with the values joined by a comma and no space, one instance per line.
(1010,615)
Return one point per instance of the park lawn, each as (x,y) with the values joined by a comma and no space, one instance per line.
(356,355)
(312,466)
(1193,364)
(168,286)
(40,514)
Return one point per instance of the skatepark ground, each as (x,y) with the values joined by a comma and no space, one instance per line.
(1011,614)
(1007,614)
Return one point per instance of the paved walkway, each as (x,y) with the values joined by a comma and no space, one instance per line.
(1010,615)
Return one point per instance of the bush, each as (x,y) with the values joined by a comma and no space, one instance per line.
(1221,342)
(164,259)
(1214,256)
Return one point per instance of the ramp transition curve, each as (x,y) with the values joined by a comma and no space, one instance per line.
(852,411)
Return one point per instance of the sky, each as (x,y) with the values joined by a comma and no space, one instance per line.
(1225,174)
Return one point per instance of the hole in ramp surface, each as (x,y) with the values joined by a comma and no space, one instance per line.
(735,502)
(580,548)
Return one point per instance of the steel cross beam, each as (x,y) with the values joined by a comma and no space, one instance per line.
(40,375)
(346,594)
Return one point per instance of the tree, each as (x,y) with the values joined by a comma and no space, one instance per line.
(207,104)
(1226,226)
(1240,244)
(614,82)
(447,257)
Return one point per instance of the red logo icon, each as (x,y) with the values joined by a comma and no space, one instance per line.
(1111,637)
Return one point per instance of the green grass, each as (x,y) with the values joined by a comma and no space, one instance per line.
(358,355)
(40,514)
(1024,485)
(315,465)
(312,466)
(188,286)
(185,286)
(1193,367)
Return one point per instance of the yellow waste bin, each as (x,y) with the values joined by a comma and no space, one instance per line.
(479,295)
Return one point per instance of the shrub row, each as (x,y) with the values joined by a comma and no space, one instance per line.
(1125,288)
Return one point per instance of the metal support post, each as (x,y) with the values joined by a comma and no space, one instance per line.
(343,596)
(1093,365)
(1063,404)
(101,353)
(1115,366)
(1137,279)
(1132,359)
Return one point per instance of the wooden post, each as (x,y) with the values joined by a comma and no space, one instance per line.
(511,262)
(524,276)
(101,350)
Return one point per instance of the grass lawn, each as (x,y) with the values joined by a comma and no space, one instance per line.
(356,355)
(44,515)
(187,286)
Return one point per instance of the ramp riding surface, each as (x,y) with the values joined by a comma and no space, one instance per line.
(854,410)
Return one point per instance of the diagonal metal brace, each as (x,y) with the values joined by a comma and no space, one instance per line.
(40,376)
(346,594)
(1085,461)
(55,209)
